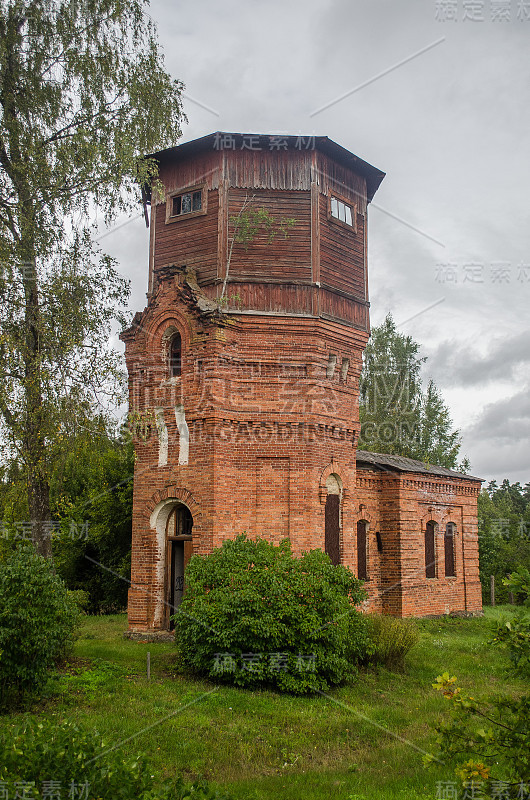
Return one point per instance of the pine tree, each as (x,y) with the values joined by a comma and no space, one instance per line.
(397,415)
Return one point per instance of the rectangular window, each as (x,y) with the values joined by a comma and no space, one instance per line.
(449,548)
(185,204)
(342,211)
(430,563)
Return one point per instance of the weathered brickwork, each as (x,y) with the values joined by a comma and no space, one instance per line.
(398,506)
(260,424)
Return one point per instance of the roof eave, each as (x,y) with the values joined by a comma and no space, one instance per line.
(324,144)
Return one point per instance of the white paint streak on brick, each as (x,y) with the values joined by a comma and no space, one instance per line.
(184,435)
(161,428)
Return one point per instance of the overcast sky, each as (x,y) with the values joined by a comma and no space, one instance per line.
(443,107)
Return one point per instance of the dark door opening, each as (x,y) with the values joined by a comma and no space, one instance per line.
(180,550)
(332,528)
(362,566)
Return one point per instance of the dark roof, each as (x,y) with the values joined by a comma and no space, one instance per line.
(385,462)
(327,146)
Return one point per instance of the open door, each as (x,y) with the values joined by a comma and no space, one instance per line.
(180,550)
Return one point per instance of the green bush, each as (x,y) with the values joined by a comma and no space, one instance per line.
(63,759)
(514,634)
(391,638)
(254,615)
(37,621)
(495,730)
(80,598)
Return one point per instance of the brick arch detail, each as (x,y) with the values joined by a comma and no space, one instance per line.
(433,515)
(333,468)
(451,515)
(177,493)
(364,514)
(158,326)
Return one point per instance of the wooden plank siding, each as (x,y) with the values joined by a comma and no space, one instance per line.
(341,254)
(190,241)
(285,258)
(318,269)
(203,168)
(342,308)
(263,296)
(333,177)
(284,169)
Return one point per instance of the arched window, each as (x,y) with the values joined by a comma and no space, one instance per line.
(430,553)
(449,548)
(362,541)
(175,356)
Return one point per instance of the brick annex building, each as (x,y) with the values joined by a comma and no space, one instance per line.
(247,407)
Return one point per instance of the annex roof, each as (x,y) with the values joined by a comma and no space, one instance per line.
(323,144)
(384,462)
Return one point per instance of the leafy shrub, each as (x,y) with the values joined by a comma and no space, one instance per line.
(80,598)
(40,752)
(37,621)
(255,615)
(495,730)
(514,634)
(391,638)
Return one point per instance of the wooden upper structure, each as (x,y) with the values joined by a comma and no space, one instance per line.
(319,269)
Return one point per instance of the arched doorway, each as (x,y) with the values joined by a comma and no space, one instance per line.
(179,551)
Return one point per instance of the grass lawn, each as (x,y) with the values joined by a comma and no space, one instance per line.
(360,742)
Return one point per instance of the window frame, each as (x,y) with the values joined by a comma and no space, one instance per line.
(346,202)
(170,217)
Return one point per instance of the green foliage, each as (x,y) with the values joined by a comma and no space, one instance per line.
(83,97)
(397,415)
(514,634)
(80,598)
(494,731)
(251,220)
(91,467)
(100,677)
(254,615)
(504,535)
(91,494)
(40,751)
(391,639)
(246,227)
(37,621)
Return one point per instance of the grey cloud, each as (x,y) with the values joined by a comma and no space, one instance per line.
(461,365)
(498,443)
(507,420)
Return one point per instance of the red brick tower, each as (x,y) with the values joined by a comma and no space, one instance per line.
(244,365)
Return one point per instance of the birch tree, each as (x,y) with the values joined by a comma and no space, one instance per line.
(83,97)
